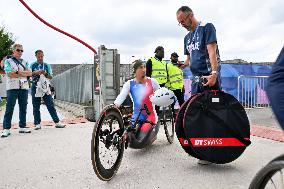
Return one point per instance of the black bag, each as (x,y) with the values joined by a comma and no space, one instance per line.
(213,126)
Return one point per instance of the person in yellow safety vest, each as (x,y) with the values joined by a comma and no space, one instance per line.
(156,67)
(175,78)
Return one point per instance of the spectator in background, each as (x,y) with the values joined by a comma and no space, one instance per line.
(41,68)
(156,68)
(175,78)
(17,71)
(3,61)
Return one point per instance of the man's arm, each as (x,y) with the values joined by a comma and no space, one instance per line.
(211,48)
(25,73)
(8,70)
(38,72)
(149,68)
(49,73)
(12,75)
(17,74)
(186,62)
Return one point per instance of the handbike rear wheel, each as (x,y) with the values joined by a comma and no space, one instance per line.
(169,124)
(106,147)
(270,176)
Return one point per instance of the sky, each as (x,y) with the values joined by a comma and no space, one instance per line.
(252,30)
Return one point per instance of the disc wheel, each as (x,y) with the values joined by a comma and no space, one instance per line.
(106,147)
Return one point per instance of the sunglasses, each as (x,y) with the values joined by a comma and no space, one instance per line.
(183,21)
(19,50)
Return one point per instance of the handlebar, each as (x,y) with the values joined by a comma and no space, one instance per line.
(146,109)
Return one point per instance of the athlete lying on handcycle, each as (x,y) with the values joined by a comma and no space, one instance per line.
(140,89)
(114,130)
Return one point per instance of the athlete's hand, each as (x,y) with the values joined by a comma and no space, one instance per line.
(211,80)
(116,105)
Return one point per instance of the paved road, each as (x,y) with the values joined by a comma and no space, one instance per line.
(262,117)
(60,158)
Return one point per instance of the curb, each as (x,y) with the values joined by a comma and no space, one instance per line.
(50,123)
(76,109)
(267,132)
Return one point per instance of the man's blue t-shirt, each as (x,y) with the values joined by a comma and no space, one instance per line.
(40,66)
(203,35)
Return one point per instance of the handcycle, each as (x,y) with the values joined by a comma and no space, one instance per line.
(115,132)
(270,176)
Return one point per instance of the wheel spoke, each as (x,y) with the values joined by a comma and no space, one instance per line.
(272,182)
(108,155)
(276,181)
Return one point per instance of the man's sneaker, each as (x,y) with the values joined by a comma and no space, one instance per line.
(59,125)
(37,127)
(25,130)
(5,133)
(204,162)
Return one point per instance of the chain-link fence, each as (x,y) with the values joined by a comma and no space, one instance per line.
(75,85)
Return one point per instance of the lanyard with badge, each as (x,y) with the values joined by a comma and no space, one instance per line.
(22,81)
(41,67)
(190,47)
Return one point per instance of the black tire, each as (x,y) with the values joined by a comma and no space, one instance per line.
(109,122)
(270,175)
(169,123)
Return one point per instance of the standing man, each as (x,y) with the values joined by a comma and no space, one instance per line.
(175,78)
(156,67)
(41,68)
(17,85)
(200,46)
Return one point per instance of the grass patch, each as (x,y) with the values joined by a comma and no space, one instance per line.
(3,102)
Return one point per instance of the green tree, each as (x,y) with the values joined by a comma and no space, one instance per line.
(6,42)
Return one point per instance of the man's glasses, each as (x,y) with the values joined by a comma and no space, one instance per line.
(19,50)
(183,21)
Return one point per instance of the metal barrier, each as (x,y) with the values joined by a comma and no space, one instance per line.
(75,85)
(252,91)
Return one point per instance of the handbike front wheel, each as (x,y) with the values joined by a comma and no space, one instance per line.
(270,176)
(169,124)
(106,147)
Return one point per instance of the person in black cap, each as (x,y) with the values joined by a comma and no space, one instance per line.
(175,78)
(156,67)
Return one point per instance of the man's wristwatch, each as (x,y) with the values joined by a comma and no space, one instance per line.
(17,72)
(214,73)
